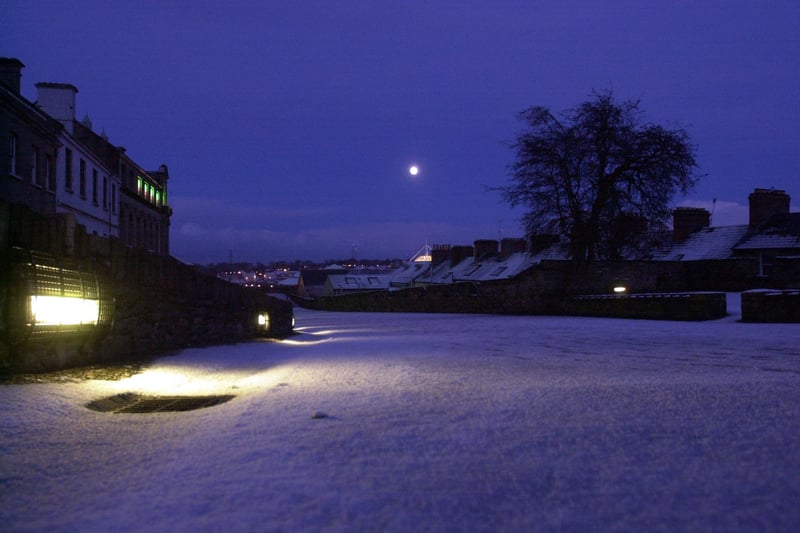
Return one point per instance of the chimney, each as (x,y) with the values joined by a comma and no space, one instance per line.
(687,220)
(11,73)
(459,253)
(510,246)
(485,247)
(764,203)
(58,101)
(439,253)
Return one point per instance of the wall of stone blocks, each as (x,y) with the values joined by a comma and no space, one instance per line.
(771,306)
(159,303)
(653,306)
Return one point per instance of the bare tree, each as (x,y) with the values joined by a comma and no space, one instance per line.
(588,172)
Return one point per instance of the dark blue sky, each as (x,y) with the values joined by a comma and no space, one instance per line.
(289,127)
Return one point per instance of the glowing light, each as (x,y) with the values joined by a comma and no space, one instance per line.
(263,321)
(61,311)
(413,170)
(620,289)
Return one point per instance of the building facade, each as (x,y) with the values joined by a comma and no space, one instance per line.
(55,164)
(29,145)
(144,214)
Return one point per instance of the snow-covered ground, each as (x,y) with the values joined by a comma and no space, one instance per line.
(434,422)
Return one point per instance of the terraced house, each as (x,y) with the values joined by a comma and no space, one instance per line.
(55,164)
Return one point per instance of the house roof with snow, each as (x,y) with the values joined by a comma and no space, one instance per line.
(408,273)
(482,269)
(493,267)
(357,282)
(707,243)
(781,232)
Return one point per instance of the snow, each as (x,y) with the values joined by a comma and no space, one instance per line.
(707,243)
(431,422)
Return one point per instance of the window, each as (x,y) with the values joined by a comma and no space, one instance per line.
(114,198)
(12,152)
(50,176)
(94,186)
(473,270)
(68,170)
(105,192)
(82,175)
(35,179)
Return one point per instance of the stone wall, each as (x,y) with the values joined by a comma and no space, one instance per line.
(771,306)
(653,306)
(159,304)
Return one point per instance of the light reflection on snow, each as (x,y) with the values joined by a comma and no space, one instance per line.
(495,423)
(177,380)
(296,342)
(310,331)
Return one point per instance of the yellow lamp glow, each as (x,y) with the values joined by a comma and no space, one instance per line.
(263,320)
(620,289)
(62,311)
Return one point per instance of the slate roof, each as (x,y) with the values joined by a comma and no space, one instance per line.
(781,232)
(406,274)
(493,267)
(358,282)
(707,243)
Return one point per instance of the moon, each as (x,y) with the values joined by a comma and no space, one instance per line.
(413,170)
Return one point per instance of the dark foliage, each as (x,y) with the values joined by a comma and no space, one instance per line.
(597,175)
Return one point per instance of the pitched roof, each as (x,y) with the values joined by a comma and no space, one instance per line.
(358,282)
(492,267)
(406,274)
(781,232)
(707,243)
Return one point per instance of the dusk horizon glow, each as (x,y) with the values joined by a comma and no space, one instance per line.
(290,130)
